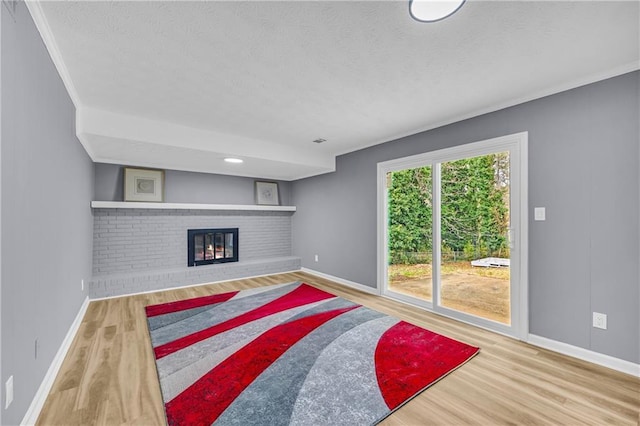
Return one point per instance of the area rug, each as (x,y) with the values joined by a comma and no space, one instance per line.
(291,354)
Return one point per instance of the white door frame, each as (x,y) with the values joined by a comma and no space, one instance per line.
(517,144)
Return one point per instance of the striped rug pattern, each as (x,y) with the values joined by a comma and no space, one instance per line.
(291,354)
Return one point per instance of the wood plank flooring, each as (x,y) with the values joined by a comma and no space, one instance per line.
(109,377)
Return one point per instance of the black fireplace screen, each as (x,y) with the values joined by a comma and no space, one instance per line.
(205,246)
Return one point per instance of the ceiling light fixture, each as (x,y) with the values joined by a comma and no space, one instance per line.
(319,140)
(234,160)
(433,10)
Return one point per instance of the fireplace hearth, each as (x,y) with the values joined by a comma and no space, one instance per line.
(207,246)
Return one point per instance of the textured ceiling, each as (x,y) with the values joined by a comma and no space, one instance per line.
(183,84)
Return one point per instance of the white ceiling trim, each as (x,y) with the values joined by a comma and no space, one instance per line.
(260,169)
(35,9)
(614,72)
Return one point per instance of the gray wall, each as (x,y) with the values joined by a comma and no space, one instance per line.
(47,184)
(2,395)
(583,167)
(187,187)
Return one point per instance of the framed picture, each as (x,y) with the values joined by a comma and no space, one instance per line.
(267,193)
(143,185)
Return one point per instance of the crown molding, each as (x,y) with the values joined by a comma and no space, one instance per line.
(41,23)
(572,84)
(35,9)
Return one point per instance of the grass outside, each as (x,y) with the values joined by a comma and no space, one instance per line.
(483,292)
(404,272)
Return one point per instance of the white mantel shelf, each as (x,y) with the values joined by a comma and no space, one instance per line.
(188,206)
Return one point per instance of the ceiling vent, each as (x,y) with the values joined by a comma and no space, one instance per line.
(319,140)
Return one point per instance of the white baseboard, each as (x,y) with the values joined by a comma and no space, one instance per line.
(31,416)
(586,355)
(137,293)
(33,412)
(357,286)
(553,345)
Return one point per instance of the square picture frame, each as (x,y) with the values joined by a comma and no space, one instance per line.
(143,185)
(267,193)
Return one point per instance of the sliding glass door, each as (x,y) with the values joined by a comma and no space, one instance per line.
(474,236)
(452,230)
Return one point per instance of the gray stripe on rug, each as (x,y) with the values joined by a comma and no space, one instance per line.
(337,380)
(181,369)
(258,290)
(174,384)
(271,398)
(331,305)
(166,319)
(216,314)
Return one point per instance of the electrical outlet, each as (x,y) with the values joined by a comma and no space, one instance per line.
(8,392)
(316,258)
(600,320)
(35,349)
(82,285)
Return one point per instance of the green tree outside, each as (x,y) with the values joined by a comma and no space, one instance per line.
(474,209)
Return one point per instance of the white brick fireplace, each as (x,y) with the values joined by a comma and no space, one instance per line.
(143,248)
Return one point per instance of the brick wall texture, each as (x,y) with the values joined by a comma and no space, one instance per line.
(146,249)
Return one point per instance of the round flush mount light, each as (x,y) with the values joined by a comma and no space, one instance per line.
(234,160)
(433,10)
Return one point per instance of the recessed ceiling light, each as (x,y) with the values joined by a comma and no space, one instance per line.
(433,10)
(233,160)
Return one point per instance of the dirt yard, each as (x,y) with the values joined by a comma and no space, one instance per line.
(479,291)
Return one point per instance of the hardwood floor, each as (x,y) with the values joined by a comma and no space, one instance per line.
(109,377)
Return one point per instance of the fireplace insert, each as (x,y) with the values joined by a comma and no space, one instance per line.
(206,246)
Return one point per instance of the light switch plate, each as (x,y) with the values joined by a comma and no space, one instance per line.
(539,213)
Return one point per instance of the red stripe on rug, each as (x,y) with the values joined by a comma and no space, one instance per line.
(409,358)
(204,401)
(181,305)
(302,295)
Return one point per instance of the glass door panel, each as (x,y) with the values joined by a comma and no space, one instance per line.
(219,246)
(474,237)
(228,245)
(199,247)
(410,232)
(209,253)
